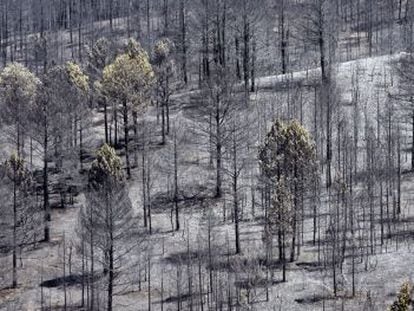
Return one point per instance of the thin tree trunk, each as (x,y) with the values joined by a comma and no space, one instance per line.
(177,218)
(218,149)
(14,228)
(46,206)
(126,138)
(106,121)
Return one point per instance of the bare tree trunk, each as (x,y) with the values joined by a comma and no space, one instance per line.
(144,181)
(14,285)
(149,282)
(246,49)
(235,194)
(253,68)
(46,206)
(218,149)
(283,41)
(177,216)
(64,273)
(163,122)
(126,138)
(412,145)
(80,10)
(106,121)
(111,267)
(183,41)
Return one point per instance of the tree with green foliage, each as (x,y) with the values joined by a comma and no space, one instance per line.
(55,121)
(288,152)
(108,224)
(107,168)
(20,179)
(79,84)
(128,81)
(403,298)
(99,56)
(18,87)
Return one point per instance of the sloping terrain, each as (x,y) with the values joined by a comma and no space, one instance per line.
(177,257)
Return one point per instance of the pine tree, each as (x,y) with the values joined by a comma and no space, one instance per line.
(128,81)
(20,178)
(18,87)
(79,83)
(288,152)
(108,225)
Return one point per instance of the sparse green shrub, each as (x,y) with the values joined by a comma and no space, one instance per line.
(403,298)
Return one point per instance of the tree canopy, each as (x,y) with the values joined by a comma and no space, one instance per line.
(286,148)
(106,167)
(130,76)
(77,77)
(17,84)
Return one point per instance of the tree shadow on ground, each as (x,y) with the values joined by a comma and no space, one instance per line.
(195,196)
(70,280)
(316,298)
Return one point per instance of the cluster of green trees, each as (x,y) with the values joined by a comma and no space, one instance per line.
(46,117)
(55,110)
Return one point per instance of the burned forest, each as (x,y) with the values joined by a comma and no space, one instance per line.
(207,155)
